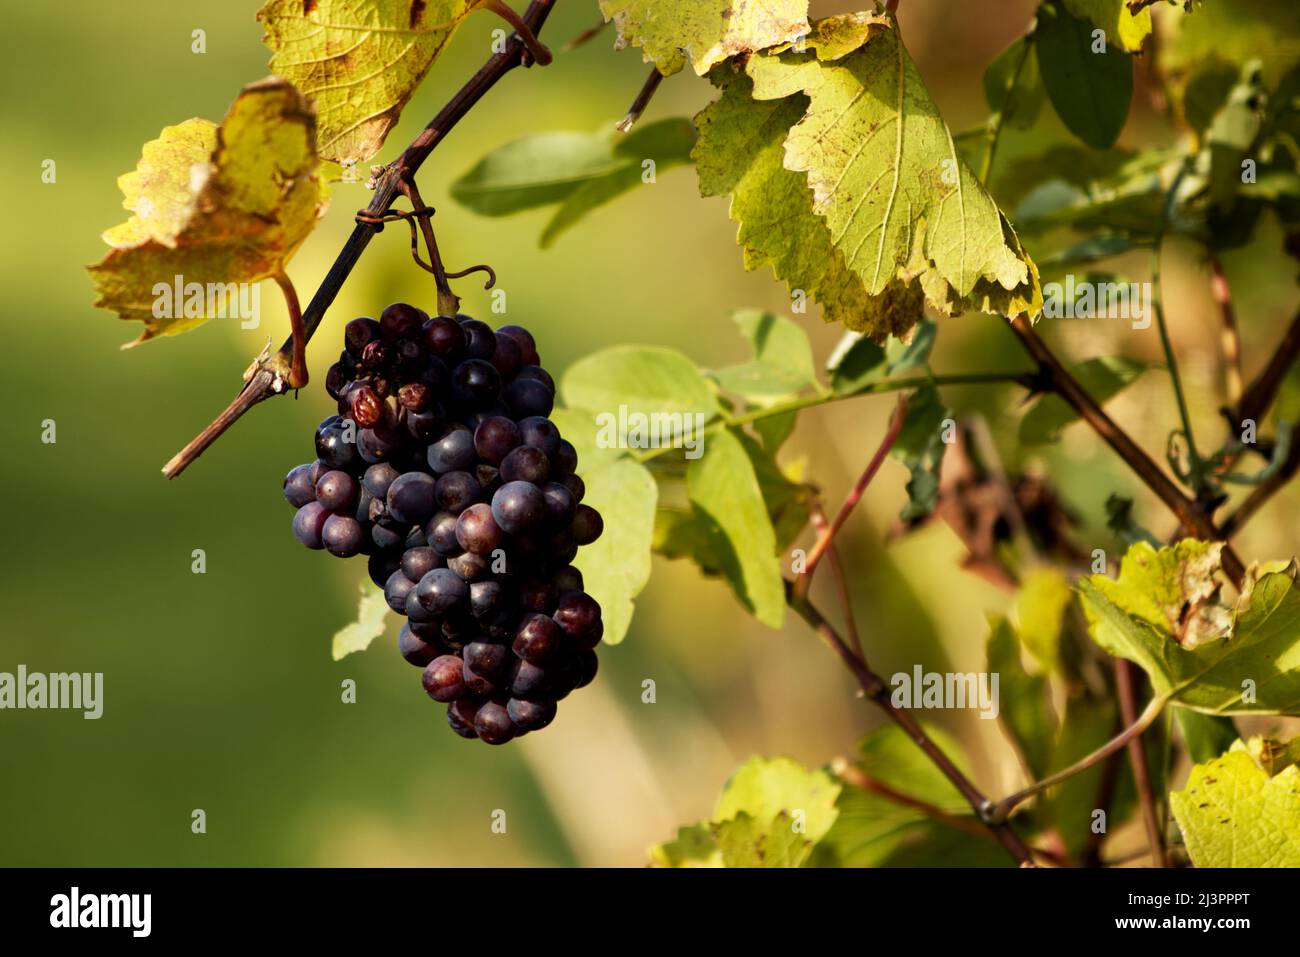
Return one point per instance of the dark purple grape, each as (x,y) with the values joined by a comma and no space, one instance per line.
(461,714)
(493,724)
(336,445)
(489,479)
(441,534)
(378,444)
(299,489)
(443,679)
(427,425)
(414,538)
(411,498)
(401,321)
(336,377)
(507,357)
(417,613)
(560,507)
(441,591)
(538,639)
(475,383)
(415,649)
(453,452)
(563,676)
(526,464)
(342,536)
(565,459)
(418,562)
(577,488)
(457,491)
(587,525)
(528,397)
(519,507)
(444,338)
(531,715)
(477,531)
(378,478)
(415,397)
(578,616)
(459,630)
(309,523)
(540,433)
(468,566)
(409,357)
(381,565)
(538,373)
(318,468)
(494,438)
(337,491)
(588,665)
(486,598)
(567,579)
(486,658)
(358,334)
(397,590)
(524,339)
(528,680)
(538,596)
(480,340)
(385,539)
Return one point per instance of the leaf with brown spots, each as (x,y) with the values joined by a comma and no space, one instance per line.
(214,206)
(358,60)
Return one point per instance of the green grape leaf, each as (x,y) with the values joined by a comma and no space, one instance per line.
(740,152)
(920,447)
(672,33)
(1123,28)
(578,171)
(726,496)
(617,565)
(782,365)
(1233,814)
(647,380)
(1165,613)
(1013,86)
(1103,378)
(359,62)
(901,205)
(858,363)
(213,206)
(1040,609)
(1025,711)
(1206,735)
(1091,89)
(372,615)
(773,430)
(1085,726)
(771,814)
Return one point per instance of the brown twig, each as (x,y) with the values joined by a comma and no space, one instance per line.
(270,376)
(1229,335)
(1258,397)
(1262,492)
(819,523)
(642,100)
(298,362)
(1190,514)
(1126,691)
(585,36)
(824,540)
(878,693)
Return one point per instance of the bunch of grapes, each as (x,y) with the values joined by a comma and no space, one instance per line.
(443,468)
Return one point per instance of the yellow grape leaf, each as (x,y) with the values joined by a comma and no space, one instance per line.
(1234,813)
(212,206)
(705,32)
(1122,26)
(358,60)
(886,176)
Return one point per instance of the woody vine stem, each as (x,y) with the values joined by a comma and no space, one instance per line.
(284,370)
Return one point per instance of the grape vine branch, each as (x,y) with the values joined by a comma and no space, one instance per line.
(270,374)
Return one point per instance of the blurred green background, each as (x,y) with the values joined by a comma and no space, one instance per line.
(220,692)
